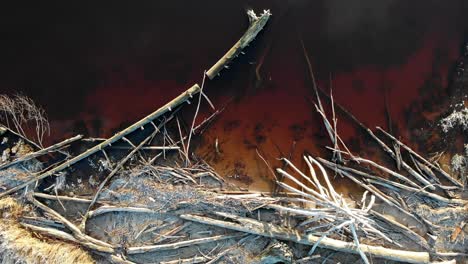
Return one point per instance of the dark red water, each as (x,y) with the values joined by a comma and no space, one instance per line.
(96,67)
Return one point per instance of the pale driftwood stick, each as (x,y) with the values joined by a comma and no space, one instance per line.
(61,197)
(73,228)
(191,132)
(67,237)
(382,144)
(299,211)
(118,167)
(358,245)
(403,229)
(94,139)
(176,245)
(192,260)
(414,153)
(403,163)
(166,108)
(384,169)
(41,152)
(111,166)
(385,198)
(256,25)
(111,209)
(286,194)
(320,107)
(77,234)
(118,259)
(255,227)
(434,196)
(147,148)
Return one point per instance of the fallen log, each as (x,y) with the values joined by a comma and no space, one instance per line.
(255,227)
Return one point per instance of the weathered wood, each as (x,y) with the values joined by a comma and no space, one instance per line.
(62,198)
(113,209)
(403,229)
(414,153)
(147,147)
(77,234)
(255,227)
(41,152)
(256,25)
(67,237)
(118,167)
(192,260)
(176,245)
(162,110)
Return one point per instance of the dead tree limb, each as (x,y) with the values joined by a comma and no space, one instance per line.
(256,25)
(41,152)
(404,230)
(176,245)
(255,227)
(77,234)
(414,153)
(62,198)
(192,260)
(67,237)
(183,97)
(119,166)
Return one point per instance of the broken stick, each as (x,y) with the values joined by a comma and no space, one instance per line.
(256,25)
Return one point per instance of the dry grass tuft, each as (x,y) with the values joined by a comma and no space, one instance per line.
(18,245)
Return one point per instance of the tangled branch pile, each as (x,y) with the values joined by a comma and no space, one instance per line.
(128,199)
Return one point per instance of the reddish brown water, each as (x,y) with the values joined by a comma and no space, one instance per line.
(96,68)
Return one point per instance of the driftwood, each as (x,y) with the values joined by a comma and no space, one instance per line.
(77,233)
(193,260)
(404,230)
(118,167)
(147,147)
(183,97)
(252,226)
(425,161)
(52,232)
(41,152)
(256,25)
(61,198)
(176,245)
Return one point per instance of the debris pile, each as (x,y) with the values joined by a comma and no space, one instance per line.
(141,196)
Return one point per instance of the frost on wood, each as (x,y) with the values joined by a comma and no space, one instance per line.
(458,118)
